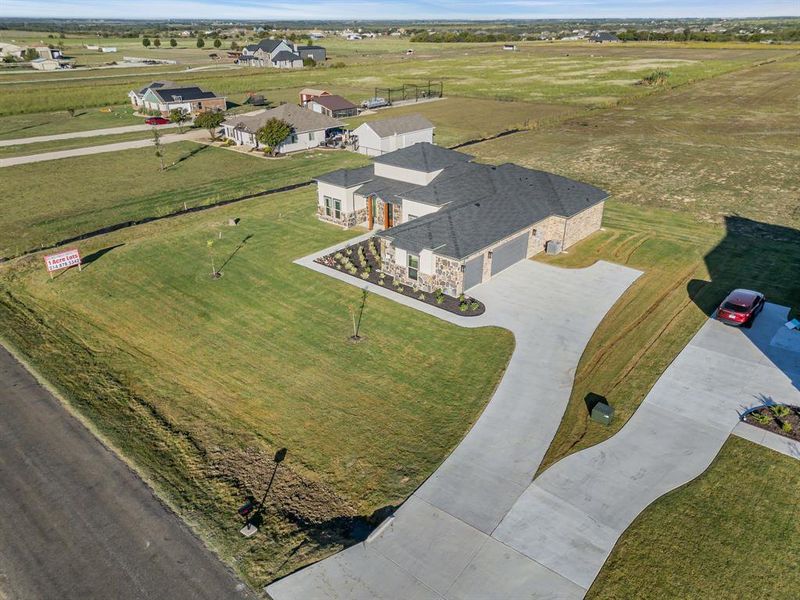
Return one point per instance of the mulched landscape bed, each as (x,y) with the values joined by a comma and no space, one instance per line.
(362,261)
(782,419)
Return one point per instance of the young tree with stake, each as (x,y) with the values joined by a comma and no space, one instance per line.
(211,121)
(159,147)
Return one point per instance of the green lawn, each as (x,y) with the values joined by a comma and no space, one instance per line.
(69,196)
(36,124)
(199,381)
(734,532)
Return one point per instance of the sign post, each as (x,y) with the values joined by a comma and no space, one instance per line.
(62,260)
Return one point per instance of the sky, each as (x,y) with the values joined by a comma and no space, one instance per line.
(394,9)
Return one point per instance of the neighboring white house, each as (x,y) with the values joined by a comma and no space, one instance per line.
(8,49)
(47,64)
(274,53)
(387,135)
(310,129)
(108,49)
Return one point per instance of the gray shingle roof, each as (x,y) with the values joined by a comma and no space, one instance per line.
(182,94)
(424,157)
(348,178)
(404,124)
(284,55)
(486,204)
(301,119)
(334,102)
(156,85)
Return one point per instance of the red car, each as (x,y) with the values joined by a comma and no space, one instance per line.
(156,121)
(741,307)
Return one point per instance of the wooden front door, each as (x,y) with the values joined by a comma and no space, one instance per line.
(372,202)
(387,215)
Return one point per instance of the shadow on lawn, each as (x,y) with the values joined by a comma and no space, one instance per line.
(235,251)
(95,256)
(752,255)
(194,151)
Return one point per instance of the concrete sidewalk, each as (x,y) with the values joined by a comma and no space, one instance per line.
(439,544)
(194,135)
(83,134)
(569,519)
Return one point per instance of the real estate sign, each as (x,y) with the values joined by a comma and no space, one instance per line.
(63,260)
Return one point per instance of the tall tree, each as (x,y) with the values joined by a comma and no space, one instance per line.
(173,42)
(211,121)
(200,42)
(179,117)
(146,42)
(273,133)
(157,42)
(217,43)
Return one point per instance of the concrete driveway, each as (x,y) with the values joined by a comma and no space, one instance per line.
(77,523)
(570,518)
(83,134)
(439,544)
(192,135)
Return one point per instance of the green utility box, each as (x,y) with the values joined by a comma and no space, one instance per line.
(603,413)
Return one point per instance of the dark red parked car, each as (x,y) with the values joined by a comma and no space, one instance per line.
(156,121)
(741,307)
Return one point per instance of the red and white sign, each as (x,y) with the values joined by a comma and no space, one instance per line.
(63,260)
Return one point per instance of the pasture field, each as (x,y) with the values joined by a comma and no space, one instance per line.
(198,381)
(574,74)
(43,203)
(36,124)
(726,201)
(731,533)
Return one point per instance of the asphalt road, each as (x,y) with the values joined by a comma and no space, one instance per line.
(76,522)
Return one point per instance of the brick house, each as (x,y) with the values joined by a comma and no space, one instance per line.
(448,223)
(192,100)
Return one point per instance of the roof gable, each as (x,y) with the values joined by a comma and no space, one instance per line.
(333,102)
(301,119)
(424,157)
(398,125)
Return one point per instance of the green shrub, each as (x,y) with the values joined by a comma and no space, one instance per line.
(761,418)
(349,252)
(421,296)
(474,306)
(655,78)
(440,299)
(364,274)
(463,307)
(338,256)
(787,427)
(780,410)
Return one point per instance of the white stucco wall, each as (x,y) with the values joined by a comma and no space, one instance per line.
(426,262)
(371,144)
(334,191)
(304,141)
(418,209)
(400,174)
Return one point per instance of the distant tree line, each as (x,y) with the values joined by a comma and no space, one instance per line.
(446,37)
(782,35)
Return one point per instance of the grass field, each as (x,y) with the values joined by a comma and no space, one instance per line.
(734,532)
(87,197)
(32,125)
(577,74)
(754,173)
(214,376)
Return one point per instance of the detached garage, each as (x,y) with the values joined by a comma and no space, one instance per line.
(387,135)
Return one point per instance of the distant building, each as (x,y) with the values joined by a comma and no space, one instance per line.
(48,52)
(47,64)
(280,54)
(333,106)
(8,49)
(309,94)
(317,53)
(510,47)
(136,97)
(603,37)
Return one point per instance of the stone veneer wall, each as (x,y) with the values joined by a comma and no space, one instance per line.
(583,224)
(447,273)
(348,219)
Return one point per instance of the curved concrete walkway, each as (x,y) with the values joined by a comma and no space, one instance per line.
(569,519)
(439,544)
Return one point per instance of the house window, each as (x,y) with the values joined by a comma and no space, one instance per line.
(311,135)
(293,138)
(413,266)
(333,207)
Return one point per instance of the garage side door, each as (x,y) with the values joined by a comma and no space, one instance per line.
(473,272)
(509,253)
